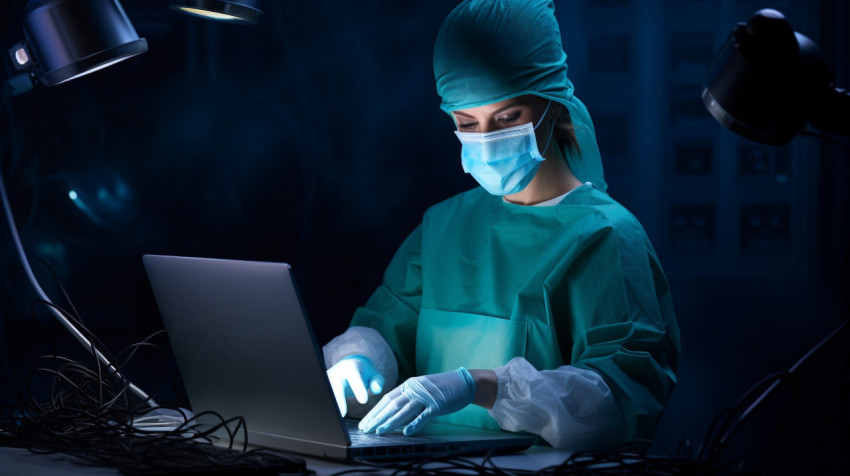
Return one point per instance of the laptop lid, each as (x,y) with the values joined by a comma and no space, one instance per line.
(244,347)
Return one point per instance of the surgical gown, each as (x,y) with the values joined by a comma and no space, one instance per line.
(567,302)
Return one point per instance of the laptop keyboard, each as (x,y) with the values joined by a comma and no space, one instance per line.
(359,438)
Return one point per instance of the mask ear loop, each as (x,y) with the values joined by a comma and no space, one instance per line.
(548,105)
(549,141)
(551,129)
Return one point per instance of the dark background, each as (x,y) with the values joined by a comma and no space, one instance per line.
(315,138)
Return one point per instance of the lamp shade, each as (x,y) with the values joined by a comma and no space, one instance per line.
(765,79)
(244,12)
(71,38)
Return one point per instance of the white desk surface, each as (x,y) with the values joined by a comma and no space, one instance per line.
(20,462)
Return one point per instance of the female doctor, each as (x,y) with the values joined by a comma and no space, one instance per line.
(532,303)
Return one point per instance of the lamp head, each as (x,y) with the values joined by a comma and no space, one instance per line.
(66,39)
(244,12)
(764,79)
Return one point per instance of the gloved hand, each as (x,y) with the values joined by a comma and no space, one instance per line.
(352,375)
(419,399)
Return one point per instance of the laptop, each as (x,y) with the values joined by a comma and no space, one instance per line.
(244,347)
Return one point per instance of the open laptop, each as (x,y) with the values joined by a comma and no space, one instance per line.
(244,347)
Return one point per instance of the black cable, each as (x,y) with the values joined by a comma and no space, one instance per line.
(741,411)
(810,133)
(111,359)
(94,343)
(720,418)
(488,462)
(78,422)
(733,418)
(357,471)
(626,459)
(806,440)
(621,460)
(162,353)
(90,414)
(780,430)
(726,423)
(61,288)
(43,329)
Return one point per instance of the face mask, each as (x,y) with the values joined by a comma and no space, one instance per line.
(503,161)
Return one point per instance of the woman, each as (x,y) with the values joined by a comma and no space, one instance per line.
(538,282)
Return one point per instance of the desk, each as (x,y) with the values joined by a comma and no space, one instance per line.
(534,458)
(20,462)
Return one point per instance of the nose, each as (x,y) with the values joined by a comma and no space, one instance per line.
(488,125)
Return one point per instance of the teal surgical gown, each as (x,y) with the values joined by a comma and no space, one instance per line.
(481,281)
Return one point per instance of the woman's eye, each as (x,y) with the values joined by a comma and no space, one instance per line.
(510,118)
(466,125)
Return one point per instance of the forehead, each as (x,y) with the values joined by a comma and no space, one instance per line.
(527,100)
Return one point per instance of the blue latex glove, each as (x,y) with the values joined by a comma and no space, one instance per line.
(418,399)
(351,376)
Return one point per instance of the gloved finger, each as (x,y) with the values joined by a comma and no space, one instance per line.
(339,395)
(376,384)
(358,387)
(390,405)
(370,421)
(418,423)
(400,418)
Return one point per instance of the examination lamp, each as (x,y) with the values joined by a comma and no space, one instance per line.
(245,12)
(66,39)
(767,82)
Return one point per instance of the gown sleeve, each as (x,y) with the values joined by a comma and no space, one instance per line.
(615,320)
(365,341)
(369,343)
(569,407)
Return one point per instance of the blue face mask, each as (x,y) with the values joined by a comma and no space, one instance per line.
(503,161)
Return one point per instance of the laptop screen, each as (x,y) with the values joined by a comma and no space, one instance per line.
(244,346)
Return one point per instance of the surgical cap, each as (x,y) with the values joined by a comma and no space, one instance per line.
(491,50)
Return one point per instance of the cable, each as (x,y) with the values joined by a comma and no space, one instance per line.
(810,133)
(731,420)
(94,421)
(844,379)
(89,415)
(729,430)
(61,288)
(627,459)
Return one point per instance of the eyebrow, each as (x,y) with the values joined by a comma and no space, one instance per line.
(497,111)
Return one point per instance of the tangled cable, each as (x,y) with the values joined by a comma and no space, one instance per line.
(91,415)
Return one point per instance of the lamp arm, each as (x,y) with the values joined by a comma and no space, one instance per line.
(61,317)
(831,112)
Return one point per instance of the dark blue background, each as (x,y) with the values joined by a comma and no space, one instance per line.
(315,138)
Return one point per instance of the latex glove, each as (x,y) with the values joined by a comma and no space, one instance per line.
(418,399)
(351,376)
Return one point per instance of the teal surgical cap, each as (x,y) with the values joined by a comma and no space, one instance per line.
(491,50)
